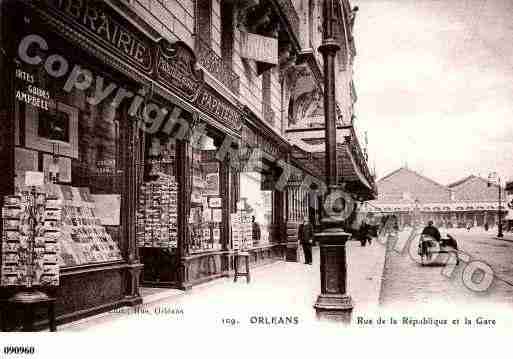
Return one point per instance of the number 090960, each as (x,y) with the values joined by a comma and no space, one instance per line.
(13,350)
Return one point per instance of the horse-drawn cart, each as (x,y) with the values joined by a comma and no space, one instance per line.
(430,248)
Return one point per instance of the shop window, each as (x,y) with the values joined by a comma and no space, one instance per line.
(206,205)
(257,205)
(157,222)
(80,148)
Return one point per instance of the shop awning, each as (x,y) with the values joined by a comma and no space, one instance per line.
(352,166)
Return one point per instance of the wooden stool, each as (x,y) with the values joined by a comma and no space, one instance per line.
(246,274)
(29,307)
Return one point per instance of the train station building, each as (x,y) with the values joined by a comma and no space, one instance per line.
(414,198)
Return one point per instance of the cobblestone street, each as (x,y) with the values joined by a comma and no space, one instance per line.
(406,283)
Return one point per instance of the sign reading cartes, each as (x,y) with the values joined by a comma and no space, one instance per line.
(259,48)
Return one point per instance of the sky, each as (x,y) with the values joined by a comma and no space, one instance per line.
(434,80)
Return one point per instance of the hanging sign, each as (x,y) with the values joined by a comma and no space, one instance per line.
(259,48)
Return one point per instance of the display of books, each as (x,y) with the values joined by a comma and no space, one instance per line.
(18,236)
(157,213)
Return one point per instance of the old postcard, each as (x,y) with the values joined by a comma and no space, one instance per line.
(208,173)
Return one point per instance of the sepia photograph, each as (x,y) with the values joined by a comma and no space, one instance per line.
(220,169)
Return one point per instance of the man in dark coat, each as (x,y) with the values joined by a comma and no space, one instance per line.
(306,240)
(432,231)
(256,230)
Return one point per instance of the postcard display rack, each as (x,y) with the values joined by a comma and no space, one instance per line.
(242,231)
(206,206)
(67,233)
(157,225)
(84,239)
(18,269)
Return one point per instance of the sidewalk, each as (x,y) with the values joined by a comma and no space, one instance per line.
(282,289)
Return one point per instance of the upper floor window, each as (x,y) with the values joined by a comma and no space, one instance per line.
(267,111)
(227,31)
(311,13)
(204,20)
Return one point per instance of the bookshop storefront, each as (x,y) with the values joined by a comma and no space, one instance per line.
(67,116)
(137,158)
(108,115)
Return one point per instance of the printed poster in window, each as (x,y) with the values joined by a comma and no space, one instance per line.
(217,215)
(215,202)
(107,208)
(212,186)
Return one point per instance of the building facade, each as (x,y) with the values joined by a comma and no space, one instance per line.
(414,198)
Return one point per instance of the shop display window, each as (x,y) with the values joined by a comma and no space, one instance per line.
(157,213)
(206,210)
(256,206)
(78,146)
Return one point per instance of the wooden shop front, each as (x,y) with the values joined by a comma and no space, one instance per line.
(142,154)
(89,148)
(84,97)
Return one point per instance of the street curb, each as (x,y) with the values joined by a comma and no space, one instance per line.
(503,239)
(386,245)
(381,267)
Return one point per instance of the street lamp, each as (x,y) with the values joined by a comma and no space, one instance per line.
(491,177)
(333,303)
(417,212)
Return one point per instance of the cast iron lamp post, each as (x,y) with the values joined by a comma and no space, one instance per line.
(491,176)
(333,303)
(417,212)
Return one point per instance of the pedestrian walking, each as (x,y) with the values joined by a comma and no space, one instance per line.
(256,230)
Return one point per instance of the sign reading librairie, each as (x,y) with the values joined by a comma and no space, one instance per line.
(107,26)
(259,48)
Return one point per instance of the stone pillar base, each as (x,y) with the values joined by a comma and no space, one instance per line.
(334,307)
